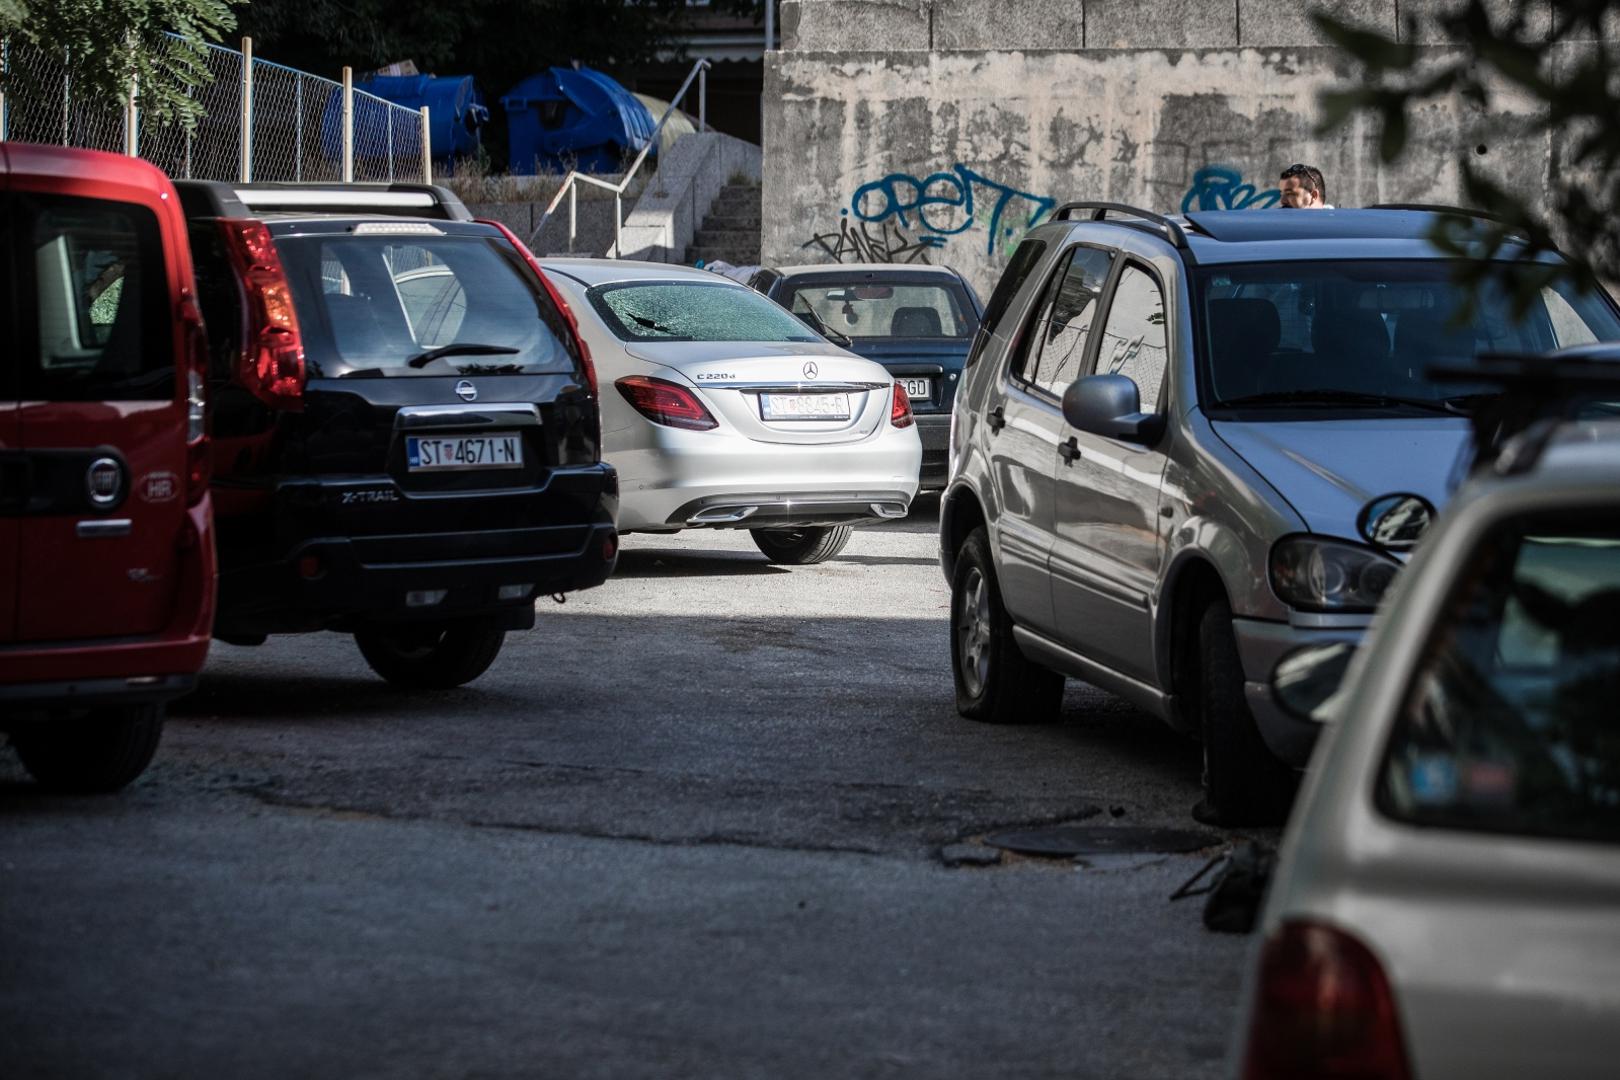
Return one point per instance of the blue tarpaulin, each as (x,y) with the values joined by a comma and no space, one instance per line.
(456,114)
(567,118)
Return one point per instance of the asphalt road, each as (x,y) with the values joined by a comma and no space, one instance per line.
(689,826)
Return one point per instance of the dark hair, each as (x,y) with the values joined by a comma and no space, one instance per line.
(1310,175)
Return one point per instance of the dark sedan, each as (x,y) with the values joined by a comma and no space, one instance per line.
(917,321)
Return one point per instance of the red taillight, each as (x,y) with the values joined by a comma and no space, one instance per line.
(273,364)
(900,411)
(588,369)
(667,403)
(1323,1008)
(199,459)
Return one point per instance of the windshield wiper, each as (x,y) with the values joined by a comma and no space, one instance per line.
(1340,397)
(460,349)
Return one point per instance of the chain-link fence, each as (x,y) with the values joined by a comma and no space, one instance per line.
(294,123)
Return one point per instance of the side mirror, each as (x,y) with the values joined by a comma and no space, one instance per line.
(1111,406)
(1308,677)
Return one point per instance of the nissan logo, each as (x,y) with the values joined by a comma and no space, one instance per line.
(466,391)
(104,481)
(811,371)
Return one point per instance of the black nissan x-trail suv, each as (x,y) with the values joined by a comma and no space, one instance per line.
(405,426)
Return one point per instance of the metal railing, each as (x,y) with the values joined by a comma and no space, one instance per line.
(261,121)
(571,182)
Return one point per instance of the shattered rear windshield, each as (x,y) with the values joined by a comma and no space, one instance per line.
(693,311)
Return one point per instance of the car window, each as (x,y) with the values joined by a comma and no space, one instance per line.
(1057,343)
(1370,327)
(1510,724)
(885,309)
(1133,339)
(693,311)
(369,304)
(100,323)
(1022,264)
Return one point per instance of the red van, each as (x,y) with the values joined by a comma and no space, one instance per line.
(107,573)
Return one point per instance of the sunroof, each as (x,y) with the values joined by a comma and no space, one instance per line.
(1246,226)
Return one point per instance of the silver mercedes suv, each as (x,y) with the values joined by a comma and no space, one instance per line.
(1183,447)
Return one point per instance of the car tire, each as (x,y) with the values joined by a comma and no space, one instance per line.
(99,751)
(1244,782)
(801,547)
(995,682)
(430,657)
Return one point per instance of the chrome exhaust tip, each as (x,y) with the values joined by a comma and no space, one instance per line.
(889,509)
(722,515)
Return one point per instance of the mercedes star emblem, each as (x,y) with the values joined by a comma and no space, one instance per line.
(810,370)
(466,391)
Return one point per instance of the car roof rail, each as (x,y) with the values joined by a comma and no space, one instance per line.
(1539,393)
(221,199)
(1099,211)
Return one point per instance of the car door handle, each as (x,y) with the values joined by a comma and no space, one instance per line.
(996,419)
(1070,450)
(100,528)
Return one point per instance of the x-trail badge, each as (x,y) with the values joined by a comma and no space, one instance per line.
(466,391)
(104,481)
(810,370)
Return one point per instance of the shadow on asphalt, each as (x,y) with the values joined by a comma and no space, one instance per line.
(671,563)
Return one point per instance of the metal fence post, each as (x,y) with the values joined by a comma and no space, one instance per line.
(132,120)
(427,148)
(245,133)
(703,99)
(390,115)
(67,98)
(573,215)
(618,223)
(5,68)
(348,125)
(298,129)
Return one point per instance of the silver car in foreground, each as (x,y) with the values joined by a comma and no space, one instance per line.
(722,411)
(1447,904)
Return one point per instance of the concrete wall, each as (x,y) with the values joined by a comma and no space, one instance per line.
(940,130)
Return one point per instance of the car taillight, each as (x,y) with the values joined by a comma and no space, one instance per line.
(900,411)
(1323,1008)
(272,368)
(199,457)
(667,403)
(587,368)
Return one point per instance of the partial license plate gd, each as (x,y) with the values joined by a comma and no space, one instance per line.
(918,389)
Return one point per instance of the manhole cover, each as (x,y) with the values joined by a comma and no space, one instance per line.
(1067,840)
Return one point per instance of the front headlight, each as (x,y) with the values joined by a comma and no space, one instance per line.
(1313,573)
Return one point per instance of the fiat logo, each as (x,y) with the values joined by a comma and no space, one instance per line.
(811,371)
(104,481)
(466,391)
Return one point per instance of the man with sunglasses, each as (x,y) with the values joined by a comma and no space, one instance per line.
(1303,188)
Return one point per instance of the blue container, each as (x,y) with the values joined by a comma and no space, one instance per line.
(457,113)
(567,118)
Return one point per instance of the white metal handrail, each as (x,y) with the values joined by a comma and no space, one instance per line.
(700,72)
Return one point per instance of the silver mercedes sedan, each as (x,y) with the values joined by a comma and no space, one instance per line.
(727,412)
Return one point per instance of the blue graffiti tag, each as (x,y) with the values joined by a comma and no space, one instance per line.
(948,204)
(1216,187)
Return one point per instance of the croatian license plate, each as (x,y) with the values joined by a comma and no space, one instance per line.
(918,389)
(804,406)
(497,450)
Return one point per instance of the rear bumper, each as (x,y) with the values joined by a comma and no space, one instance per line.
(935,430)
(424,567)
(690,473)
(1260,645)
(91,693)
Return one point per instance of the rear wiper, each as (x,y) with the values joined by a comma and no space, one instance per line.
(460,349)
(1340,397)
(843,341)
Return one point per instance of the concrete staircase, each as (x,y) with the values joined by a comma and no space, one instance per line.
(730,232)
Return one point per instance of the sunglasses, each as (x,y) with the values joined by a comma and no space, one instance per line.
(1295,170)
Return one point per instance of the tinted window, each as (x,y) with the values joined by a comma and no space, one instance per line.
(877,309)
(369,304)
(1056,346)
(1370,327)
(100,324)
(1133,340)
(1511,723)
(693,311)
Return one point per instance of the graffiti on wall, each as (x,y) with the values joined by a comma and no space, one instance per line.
(1218,187)
(867,243)
(914,215)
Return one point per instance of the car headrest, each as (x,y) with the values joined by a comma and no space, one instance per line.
(915,322)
